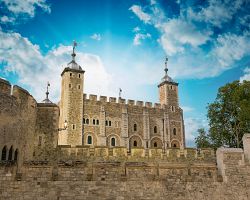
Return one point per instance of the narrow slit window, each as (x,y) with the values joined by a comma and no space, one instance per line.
(89,140)
(112,142)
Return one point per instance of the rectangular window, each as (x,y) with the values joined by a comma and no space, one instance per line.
(109,123)
(79,87)
(106,122)
(40,141)
(70,74)
(79,75)
(73,126)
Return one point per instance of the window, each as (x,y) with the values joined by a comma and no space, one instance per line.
(94,121)
(84,121)
(135,127)
(147,144)
(112,142)
(73,126)
(89,139)
(4,153)
(69,85)
(174,131)
(79,75)
(10,153)
(70,74)
(79,87)
(171,87)
(16,154)
(40,141)
(97,122)
(174,145)
(155,129)
(135,143)
(172,108)
(109,123)
(106,122)
(87,121)
(155,144)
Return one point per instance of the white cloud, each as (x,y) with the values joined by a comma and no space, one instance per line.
(195,49)
(96,36)
(246,75)
(139,37)
(136,29)
(217,12)
(137,10)
(35,69)
(177,32)
(231,47)
(5,19)
(25,7)
(22,9)
(191,127)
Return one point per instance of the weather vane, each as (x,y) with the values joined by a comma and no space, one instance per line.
(166,65)
(47,92)
(74,46)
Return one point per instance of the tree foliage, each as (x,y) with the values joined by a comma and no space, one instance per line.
(202,140)
(229,115)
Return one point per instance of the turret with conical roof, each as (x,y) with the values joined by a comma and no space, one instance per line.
(71,103)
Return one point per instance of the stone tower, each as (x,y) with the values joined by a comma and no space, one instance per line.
(168,90)
(71,103)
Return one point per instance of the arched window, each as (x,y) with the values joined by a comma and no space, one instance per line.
(87,121)
(174,131)
(174,145)
(84,121)
(155,129)
(89,139)
(10,153)
(155,144)
(112,142)
(4,153)
(135,143)
(94,121)
(97,122)
(79,75)
(135,127)
(16,154)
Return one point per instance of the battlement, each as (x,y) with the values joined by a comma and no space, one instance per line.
(137,154)
(121,101)
(17,93)
(5,86)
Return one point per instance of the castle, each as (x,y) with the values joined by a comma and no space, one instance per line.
(111,123)
(89,148)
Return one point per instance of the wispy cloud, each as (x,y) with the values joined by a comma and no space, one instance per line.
(34,69)
(190,38)
(20,9)
(137,10)
(96,36)
(139,37)
(246,75)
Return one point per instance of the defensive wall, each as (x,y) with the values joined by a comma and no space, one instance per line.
(176,174)
(44,170)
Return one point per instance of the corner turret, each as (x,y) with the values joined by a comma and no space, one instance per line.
(71,103)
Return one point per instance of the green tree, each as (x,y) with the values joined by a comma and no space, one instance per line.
(229,115)
(202,140)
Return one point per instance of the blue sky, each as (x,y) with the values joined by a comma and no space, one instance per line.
(123,44)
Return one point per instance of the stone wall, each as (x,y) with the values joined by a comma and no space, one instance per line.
(186,178)
(17,121)
(117,118)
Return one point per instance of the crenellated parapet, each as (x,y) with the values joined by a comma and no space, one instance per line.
(127,102)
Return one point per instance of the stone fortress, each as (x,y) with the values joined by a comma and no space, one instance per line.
(92,148)
(111,123)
